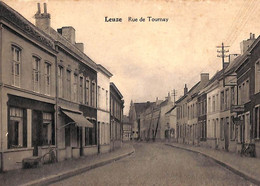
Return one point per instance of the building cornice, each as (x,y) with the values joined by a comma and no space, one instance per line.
(10,15)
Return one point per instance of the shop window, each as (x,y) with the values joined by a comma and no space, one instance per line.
(47,129)
(16,65)
(17,128)
(90,135)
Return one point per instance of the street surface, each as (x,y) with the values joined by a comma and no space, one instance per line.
(157,164)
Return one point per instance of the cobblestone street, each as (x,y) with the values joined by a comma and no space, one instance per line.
(157,164)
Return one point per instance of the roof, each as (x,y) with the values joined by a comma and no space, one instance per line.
(59,39)
(116,89)
(141,107)
(171,109)
(184,96)
(104,70)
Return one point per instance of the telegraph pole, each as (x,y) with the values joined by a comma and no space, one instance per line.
(174,94)
(223,56)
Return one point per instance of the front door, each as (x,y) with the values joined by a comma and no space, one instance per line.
(80,141)
(226,134)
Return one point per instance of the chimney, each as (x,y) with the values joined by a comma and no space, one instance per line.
(204,79)
(244,45)
(69,33)
(185,89)
(80,46)
(43,20)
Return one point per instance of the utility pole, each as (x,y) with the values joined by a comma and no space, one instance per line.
(174,94)
(223,56)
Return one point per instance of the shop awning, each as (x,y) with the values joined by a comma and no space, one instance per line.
(79,119)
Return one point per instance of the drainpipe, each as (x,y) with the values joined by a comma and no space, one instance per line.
(1,127)
(56,104)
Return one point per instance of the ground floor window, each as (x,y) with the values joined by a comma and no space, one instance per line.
(256,119)
(47,129)
(91,135)
(17,128)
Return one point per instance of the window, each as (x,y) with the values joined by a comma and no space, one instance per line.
(233,96)
(232,129)
(60,81)
(257,122)
(209,104)
(81,89)
(99,98)
(243,92)
(90,135)
(222,129)
(16,65)
(93,94)
(68,84)
(87,92)
(213,104)
(222,101)
(75,88)
(257,77)
(47,78)
(17,128)
(106,99)
(36,74)
(227,99)
(47,129)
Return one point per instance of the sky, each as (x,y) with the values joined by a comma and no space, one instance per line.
(150,59)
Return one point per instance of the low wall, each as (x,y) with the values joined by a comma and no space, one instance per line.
(90,150)
(257,149)
(12,159)
(75,152)
(104,148)
(61,154)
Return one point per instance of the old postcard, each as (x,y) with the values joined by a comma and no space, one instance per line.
(129,92)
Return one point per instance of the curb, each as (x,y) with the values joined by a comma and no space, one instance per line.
(76,171)
(229,167)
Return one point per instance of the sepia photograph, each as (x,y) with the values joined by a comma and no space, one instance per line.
(129,92)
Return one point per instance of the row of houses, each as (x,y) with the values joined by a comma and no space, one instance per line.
(153,120)
(223,112)
(52,94)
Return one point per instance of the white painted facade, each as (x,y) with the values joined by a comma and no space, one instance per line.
(103,105)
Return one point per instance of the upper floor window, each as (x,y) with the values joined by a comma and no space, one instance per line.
(222,98)
(257,77)
(87,92)
(93,94)
(75,88)
(243,92)
(47,78)
(68,75)
(99,96)
(60,81)
(233,96)
(16,65)
(227,103)
(106,99)
(36,74)
(213,104)
(81,89)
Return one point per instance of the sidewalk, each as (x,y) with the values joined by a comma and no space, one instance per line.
(248,168)
(49,173)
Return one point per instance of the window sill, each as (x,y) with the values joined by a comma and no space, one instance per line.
(19,149)
(90,146)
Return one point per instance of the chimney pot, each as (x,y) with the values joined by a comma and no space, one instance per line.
(39,8)
(45,8)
